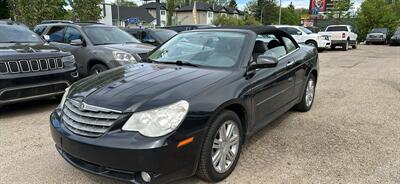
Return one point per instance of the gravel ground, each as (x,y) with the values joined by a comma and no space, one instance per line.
(350,136)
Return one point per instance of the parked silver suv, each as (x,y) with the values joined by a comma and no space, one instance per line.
(96,47)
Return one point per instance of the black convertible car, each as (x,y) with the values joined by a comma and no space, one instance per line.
(187,112)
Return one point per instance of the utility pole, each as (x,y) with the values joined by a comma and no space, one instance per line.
(118,21)
(280,11)
(158,22)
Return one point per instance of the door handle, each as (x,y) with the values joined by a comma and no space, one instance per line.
(290,63)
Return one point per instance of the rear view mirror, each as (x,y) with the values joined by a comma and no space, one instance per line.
(151,41)
(76,42)
(299,33)
(265,62)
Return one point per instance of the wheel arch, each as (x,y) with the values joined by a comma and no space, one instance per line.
(239,109)
(92,62)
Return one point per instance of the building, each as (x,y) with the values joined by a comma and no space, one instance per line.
(122,16)
(146,14)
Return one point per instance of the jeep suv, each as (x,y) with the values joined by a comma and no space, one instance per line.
(31,68)
(96,47)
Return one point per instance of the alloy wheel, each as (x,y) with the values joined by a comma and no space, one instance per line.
(310,91)
(225,146)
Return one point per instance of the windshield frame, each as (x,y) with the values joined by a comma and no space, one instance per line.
(88,35)
(39,39)
(242,62)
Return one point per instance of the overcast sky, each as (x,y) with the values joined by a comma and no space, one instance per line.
(296,3)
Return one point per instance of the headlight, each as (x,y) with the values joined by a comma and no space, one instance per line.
(122,56)
(64,98)
(70,58)
(158,122)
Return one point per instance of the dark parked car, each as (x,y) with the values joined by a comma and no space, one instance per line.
(151,36)
(190,111)
(378,35)
(395,40)
(96,47)
(29,67)
(181,28)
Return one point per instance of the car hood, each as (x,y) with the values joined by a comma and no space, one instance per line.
(139,87)
(24,48)
(133,48)
(375,34)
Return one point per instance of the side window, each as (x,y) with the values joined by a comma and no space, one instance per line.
(292,31)
(56,34)
(39,29)
(72,34)
(289,44)
(275,48)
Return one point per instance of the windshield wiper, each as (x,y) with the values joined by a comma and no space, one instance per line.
(178,62)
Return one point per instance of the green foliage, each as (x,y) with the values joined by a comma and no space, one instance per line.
(375,14)
(171,8)
(232,3)
(268,9)
(225,20)
(4,10)
(340,10)
(32,12)
(125,3)
(290,16)
(87,10)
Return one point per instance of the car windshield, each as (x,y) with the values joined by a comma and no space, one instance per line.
(17,34)
(109,35)
(337,28)
(307,31)
(164,34)
(379,30)
(210,49)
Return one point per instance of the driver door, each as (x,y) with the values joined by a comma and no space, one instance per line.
(273,88)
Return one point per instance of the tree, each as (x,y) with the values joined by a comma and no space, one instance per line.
(232,3)
(125,3)
(290,16)
(268,9)
(340,10)
(225,20)
(374,14)
(171,10)
(32,12)
(4,10)
(87,10)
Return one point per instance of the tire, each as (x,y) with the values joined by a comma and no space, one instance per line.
(333,47)
(306,104)
(345,46)
(97,68)
(312,43)
(206,169)
(367,43)
(354,46)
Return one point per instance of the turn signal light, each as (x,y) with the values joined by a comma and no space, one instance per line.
(185,142)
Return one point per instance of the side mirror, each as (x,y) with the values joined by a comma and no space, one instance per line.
(264,62)
(46,38)
(299,33)
(76,42)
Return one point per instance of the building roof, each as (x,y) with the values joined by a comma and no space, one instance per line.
(153,5)
(199,7)
(131,12)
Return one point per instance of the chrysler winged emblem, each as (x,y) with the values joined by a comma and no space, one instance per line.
(82,106)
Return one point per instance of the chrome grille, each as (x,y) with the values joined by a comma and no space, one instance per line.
(88,120)
(33,65)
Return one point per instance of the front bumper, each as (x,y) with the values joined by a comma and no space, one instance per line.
(123,155)
(375,39)
(324,44)
(27,86)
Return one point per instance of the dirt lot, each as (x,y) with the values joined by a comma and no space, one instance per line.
(352,134)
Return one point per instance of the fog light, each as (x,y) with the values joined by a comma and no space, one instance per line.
(145,176)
